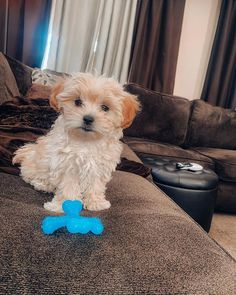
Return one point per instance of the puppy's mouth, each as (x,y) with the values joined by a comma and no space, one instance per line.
(86,128)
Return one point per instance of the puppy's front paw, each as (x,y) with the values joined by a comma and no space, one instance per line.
(53,206)
(96,204)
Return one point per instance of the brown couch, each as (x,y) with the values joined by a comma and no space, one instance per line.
(184,130)
(150,246)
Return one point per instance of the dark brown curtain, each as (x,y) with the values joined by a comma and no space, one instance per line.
(27,30)
(155,44)
(220,83)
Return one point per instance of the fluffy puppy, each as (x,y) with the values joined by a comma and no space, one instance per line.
(75,160)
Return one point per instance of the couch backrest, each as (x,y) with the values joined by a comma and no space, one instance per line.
(163,117)
(211,126)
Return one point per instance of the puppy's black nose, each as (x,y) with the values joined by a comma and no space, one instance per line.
(88,120)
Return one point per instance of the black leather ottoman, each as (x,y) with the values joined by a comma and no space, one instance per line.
(194,192)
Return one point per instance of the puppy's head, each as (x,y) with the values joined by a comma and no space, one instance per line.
(94,106)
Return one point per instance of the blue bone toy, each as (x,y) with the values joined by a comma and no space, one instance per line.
(73,221)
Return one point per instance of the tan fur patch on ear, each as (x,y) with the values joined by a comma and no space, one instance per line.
(53,98)
(131,106)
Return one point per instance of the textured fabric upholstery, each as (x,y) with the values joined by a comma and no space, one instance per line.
(226,197)
(38,90)
(225,162)
(144,146)
(22,74)
(129,154)
(150,246)
(163,117)
(211,126)
(8,86)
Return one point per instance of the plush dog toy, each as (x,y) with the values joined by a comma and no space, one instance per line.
(72,221)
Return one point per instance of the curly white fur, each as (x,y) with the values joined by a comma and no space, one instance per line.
(72,161)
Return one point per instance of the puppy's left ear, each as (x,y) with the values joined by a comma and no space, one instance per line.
(131,106)
(53,97)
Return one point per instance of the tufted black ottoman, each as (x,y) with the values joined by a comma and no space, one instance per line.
(194,192)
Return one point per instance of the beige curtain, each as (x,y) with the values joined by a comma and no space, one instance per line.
(91,36)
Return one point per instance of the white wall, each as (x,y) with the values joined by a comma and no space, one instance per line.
(199,25)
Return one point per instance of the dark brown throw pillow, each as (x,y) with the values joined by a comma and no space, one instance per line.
(163,117)
(212,126)
(38,90)
(22,74)
(8,86)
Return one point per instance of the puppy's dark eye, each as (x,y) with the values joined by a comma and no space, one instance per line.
(105,108)
(78,102)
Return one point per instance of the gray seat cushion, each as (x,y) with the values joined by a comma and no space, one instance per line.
(150,246)
(225,161)
(226,199)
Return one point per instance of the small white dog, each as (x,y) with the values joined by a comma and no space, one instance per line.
(75,160)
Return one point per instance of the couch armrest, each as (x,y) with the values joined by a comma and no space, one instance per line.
(129,154)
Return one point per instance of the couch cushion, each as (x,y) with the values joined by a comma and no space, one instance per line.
(163,117)
(128,153)
(211,126)
(144,146)
(225,161)
(8,86)
(226,197)
(130,162)
(149,246)
(38,91)
(22,74)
